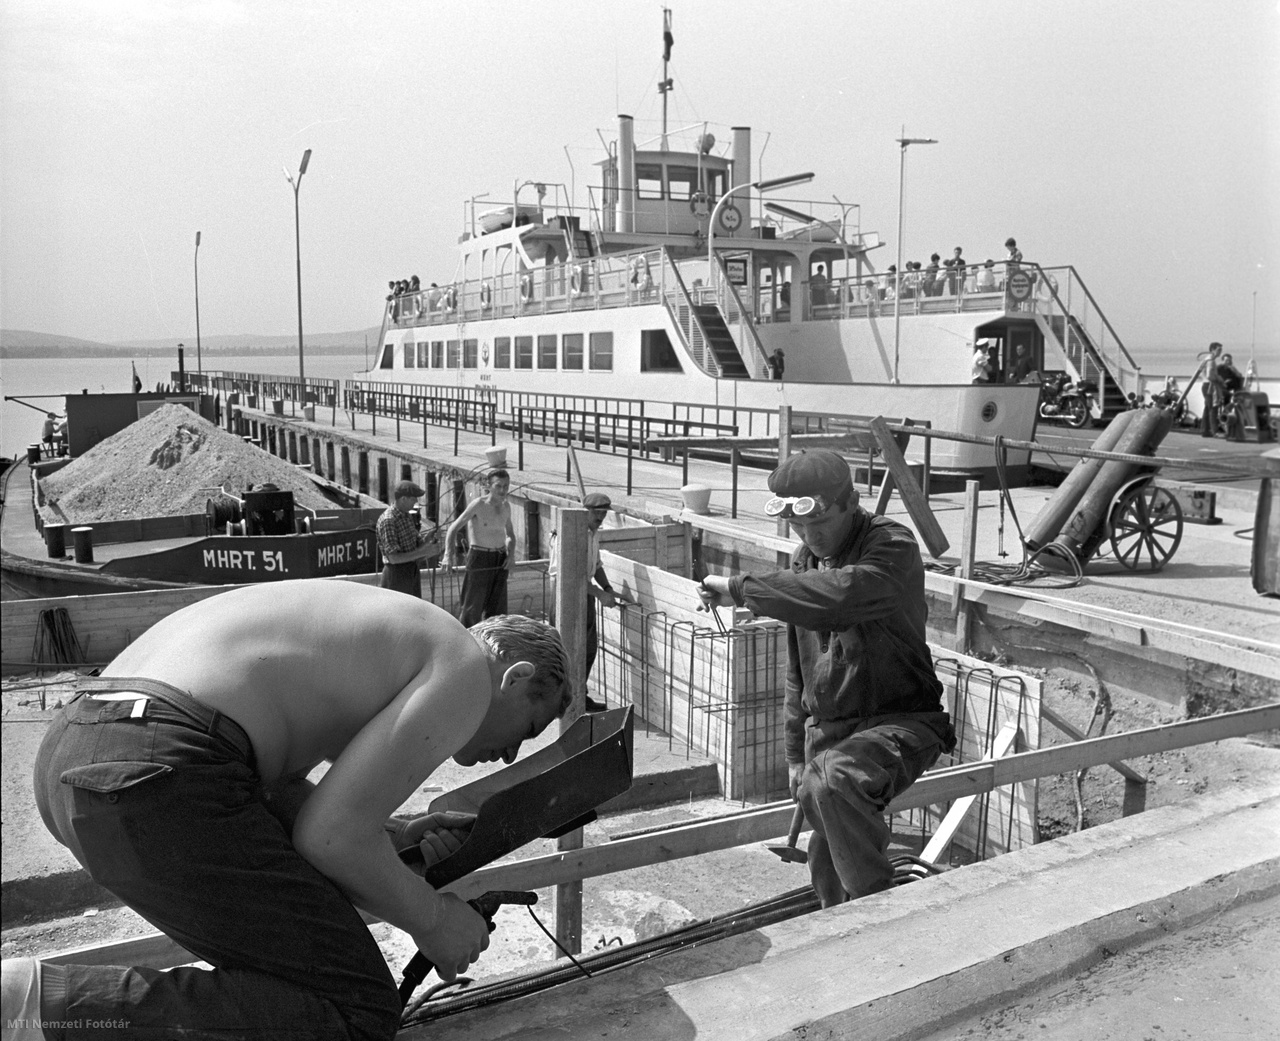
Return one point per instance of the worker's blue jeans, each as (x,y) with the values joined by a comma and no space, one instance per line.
(164,808)
(853,769)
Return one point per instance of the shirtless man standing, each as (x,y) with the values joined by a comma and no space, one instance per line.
(185,794)
(491,551)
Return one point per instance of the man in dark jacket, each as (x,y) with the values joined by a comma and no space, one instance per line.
(864,715)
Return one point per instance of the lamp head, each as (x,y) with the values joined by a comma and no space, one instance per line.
(306,158)
(197,240)
(904,141)
(783,182)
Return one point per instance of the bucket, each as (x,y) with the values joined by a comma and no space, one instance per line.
(496,456)
(697,498)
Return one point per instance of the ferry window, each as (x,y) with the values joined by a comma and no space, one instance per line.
(524,352)
(715,183)
(437,354)
(547,352)
(388,357)
(408,355)
(602,351)
(424,355)
(656,352)
(451,354)
(502,352)
(572,348)
(648,181)
(682,181)
(469,353)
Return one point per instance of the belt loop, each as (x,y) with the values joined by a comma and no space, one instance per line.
(215,719)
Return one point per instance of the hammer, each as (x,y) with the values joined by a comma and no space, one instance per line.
(789,853)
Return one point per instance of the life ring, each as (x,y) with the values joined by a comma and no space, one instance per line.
(486,296)
(577,280)
(526,288)
(640,276)
(451,299)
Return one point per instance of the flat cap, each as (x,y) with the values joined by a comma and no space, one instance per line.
(596,501)
(408,488)
(820,472)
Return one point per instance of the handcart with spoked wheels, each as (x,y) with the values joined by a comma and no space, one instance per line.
(1143,525)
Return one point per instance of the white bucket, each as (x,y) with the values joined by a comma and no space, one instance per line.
(697,498)
(496,456)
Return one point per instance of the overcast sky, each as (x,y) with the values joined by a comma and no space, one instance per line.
(1136,140)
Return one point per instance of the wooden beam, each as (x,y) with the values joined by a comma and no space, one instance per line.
(1076,734)
(912,497)
(1004,743)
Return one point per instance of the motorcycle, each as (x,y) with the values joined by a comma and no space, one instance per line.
(1066,400)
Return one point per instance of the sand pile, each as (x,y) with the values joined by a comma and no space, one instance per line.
(165,465)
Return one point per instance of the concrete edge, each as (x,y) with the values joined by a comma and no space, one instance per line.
(949,1000)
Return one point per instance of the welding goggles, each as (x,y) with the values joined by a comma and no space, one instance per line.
(804,506)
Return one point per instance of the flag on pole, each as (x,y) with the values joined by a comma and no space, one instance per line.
(137,380)
(668,41)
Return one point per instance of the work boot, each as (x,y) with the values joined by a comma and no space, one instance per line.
(596,706)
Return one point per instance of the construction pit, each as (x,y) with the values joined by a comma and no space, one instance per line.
(703,696)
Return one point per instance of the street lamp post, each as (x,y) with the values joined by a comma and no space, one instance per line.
(199,367)
(903,143)
(297,238)
(760,186)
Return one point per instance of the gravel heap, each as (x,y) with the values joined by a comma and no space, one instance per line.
(167,464)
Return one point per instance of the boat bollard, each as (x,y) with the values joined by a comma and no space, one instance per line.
(55,540)
(33,454)
(82,539)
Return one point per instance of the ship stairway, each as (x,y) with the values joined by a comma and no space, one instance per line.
(720,342)
(581,243)
(1072,322)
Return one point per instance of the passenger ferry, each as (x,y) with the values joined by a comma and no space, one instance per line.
(683,276)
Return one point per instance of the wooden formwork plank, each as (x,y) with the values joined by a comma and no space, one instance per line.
(912,497)
(1005,742)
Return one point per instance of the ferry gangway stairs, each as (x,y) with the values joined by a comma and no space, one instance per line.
(720,341)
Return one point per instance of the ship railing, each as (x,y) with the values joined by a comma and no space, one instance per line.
(1083,332)
(593,283)
(312,390)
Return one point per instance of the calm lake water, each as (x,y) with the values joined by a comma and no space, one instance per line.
(30,378)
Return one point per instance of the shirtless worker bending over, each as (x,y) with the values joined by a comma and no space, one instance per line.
(184,793)
(492,548)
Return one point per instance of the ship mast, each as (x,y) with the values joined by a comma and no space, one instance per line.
(664,86)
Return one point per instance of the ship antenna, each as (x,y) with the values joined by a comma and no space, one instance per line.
(664,87)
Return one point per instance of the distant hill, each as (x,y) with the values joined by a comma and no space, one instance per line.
(22,343)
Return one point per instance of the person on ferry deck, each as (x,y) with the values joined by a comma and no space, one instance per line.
(955,272)
(863,712)
(930,284)
(981,364)
(491,549)
(1013,258)
(401,544)
(818,285)
(179,780)
(1023,364)
(777,364)
(414,284)
(986,278)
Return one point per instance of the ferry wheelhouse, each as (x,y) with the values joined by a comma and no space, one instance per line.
(683,280)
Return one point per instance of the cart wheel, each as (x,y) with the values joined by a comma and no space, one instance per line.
(1146,527)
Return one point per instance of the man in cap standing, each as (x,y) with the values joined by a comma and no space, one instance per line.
(597,505)
(401,544)
(863,714)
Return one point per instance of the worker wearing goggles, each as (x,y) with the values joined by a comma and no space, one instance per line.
(863,709)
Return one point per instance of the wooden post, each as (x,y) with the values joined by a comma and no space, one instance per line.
(968,547)
(917,506)
(572,604)
(784,452)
